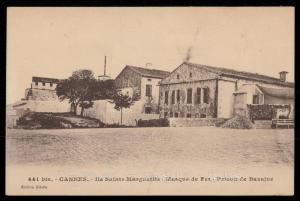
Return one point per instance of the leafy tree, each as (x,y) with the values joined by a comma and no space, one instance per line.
(79,89)
(82,89)
(121,101)
(104,89)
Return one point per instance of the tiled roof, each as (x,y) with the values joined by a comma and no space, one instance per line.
(242,74)
(146,72)
(44,79)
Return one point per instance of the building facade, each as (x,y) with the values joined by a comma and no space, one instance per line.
(199,91)
(142,84)
(42,88)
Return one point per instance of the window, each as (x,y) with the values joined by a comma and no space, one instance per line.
(198,96)
(178,96)
(44,83)
(166,114)
(36,83)
(205,95)
(51,84)
(173,97)
(176,115)
(148,110)
(188,115)
(149,90)
(189,96)
(191,75)
(202,115)
(177,76)
(166,97)
(171,114)
(255,99)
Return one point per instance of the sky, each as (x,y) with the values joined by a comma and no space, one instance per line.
(54,42)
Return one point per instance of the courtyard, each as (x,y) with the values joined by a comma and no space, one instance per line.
(171,154)
(113,146)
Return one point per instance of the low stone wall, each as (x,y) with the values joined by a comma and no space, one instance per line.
(262,124)
(195,122)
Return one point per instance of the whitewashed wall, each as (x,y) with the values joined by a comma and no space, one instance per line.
(105,112)
(225,98)
(45,106)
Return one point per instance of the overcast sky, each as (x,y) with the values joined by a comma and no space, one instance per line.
(53,42)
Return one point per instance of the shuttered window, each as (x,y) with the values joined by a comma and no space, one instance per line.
(189,96)
(178,96)
(205,95)
(166,97)
(149,90)
(173,97)
(198,96)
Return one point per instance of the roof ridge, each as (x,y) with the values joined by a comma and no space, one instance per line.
(147,68)
(219,69)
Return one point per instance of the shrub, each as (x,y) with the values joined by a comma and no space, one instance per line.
(238,122)
(264,112)
(40,120)
(153,123)
(35,120)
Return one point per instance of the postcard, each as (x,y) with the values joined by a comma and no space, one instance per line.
(150,101)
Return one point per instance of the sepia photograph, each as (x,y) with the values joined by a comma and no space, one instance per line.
(150,101)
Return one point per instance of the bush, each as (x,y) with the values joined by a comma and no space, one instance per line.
(153,123)
(34,120)
(238,122)
(40,120)
(264,112)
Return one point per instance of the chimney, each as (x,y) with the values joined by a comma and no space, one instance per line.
(282,76)
(104,65)
(148,65)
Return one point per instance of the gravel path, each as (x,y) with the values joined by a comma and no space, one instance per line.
(146,146)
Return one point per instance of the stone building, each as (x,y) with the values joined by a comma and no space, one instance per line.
(200,91)
(42,88)
(41,97)
(143,85)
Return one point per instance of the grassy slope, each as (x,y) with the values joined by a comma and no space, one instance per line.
(36,120)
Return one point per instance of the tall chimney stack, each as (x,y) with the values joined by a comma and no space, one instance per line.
(104,65)
(282,75)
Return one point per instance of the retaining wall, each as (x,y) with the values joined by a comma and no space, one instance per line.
(195,122)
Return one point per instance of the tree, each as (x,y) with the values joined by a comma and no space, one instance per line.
(121,101)
(82,89)
(79,89)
